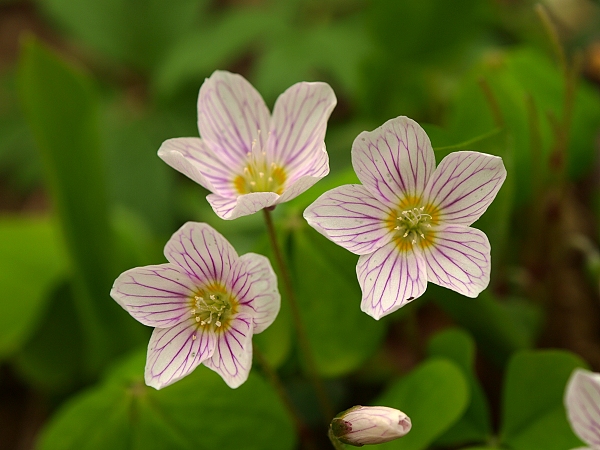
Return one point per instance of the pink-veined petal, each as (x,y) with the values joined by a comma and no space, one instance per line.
(194,159)
(464,185)
(232,358)
(352,218)
(255,285)
(230,114)
(154,295)
(173,352)
(394,161)
(201,252)
(306,176)
(582,400)
(298,126)
(243,205)
(390,278)
(459,259)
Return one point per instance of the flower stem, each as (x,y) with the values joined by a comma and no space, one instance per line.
(275,381)
(334,441)
(311,367)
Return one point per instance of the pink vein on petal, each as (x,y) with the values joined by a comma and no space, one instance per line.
(233,354)
(201,251)
(464,185)
(352,218)
(459,259)
(173,352)
(389,279)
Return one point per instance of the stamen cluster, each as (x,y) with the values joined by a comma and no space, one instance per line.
(211,309)
(259,175)
(412,224)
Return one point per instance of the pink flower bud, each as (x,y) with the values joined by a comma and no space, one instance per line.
(362,425)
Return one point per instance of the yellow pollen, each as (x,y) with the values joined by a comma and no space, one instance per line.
(259,174)
(411,223)
(213,306)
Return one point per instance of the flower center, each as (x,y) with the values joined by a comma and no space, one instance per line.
(213,307)
(412,225)
(260,175)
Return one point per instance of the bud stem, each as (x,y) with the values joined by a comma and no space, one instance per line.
(304,345)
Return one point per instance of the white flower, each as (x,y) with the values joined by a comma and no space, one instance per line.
(582,400)
(246,158)
(362,425)
(205,305)
(408,221)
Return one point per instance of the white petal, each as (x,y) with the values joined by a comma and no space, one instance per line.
(464,185)
(244,205)
(298,127)
(582,400)
(156,296)
(352,218)
(458,259)
(230,114)
(255,285)
(390,278)
(202,252)
(232,358)
(302,180)
(394,161)
(193,158)
(173,352)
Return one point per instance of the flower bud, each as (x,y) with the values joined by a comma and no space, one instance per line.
(362,425)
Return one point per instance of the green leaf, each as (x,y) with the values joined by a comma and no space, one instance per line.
(425,31)
(491,322)
(481,448)
(434,396)
(295,54)
(235,32)
(138,32)
(32,261)
(19,163)
(474,426)
(523,80)
(533,414)
(138,178)
(341,335)
(53,358)
(61,107)
(198,412)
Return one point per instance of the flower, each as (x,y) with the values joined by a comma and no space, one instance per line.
(362,425)
(409,221)
(205,305)
(248,159)
(582,400)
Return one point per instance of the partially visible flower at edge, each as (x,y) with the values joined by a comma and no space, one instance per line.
(362,425)
(248,159)
(205,305)
(408,221)
(582,401)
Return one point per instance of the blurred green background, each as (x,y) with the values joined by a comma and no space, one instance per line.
(89,89)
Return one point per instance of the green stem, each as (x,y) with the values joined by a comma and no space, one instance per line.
(334,441)
(492,102)
(275,381)
(303,342)
(552,33)
(469,142)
